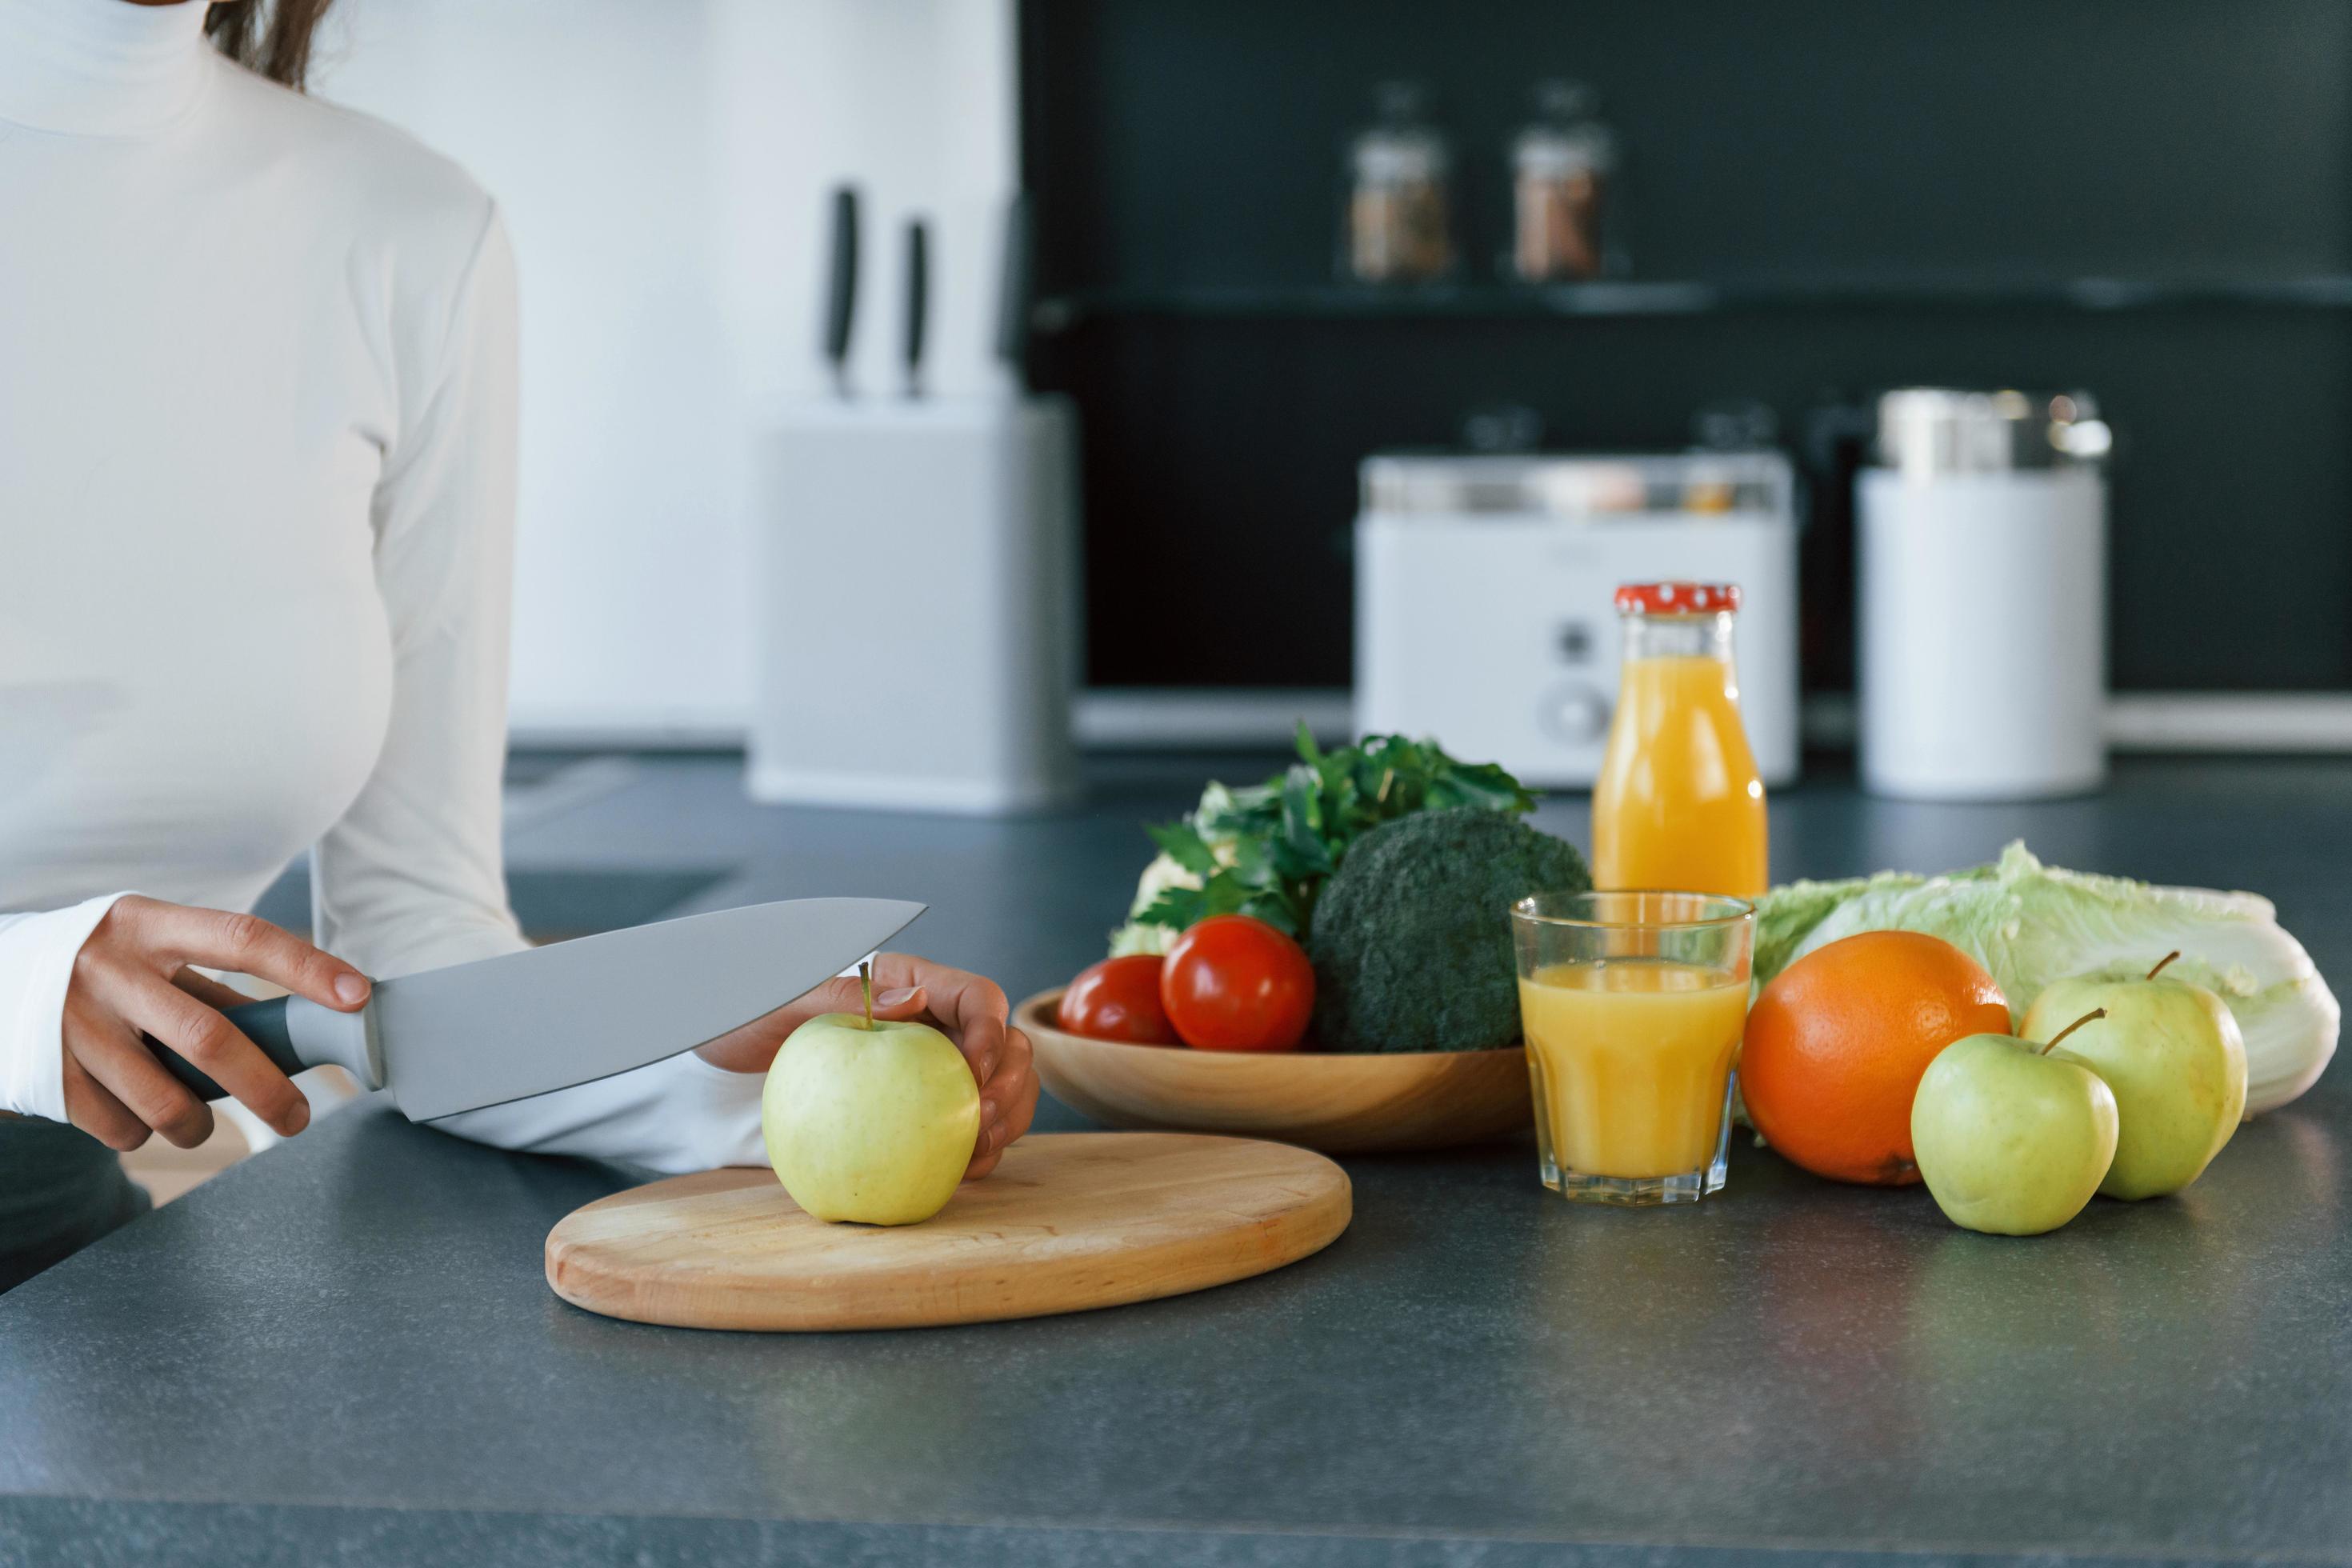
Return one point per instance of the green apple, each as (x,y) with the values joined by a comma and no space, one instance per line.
(2172,1054)
(868,1120)
(2011,1138)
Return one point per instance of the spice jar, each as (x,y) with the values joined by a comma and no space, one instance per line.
(1562,165)
(1397,222)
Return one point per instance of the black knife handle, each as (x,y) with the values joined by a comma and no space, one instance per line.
(1015,285)
(918,288)
(841,293)
(263,1023)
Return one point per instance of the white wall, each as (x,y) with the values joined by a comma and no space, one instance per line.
(665,169)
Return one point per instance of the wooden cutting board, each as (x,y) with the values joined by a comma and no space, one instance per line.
(1067,1221)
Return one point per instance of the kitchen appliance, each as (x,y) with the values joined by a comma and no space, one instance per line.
(1980,581)
(472,1035)
(1485,587)
(1069,1221)
(916,581)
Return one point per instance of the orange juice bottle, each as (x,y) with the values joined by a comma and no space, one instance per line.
(1678,804)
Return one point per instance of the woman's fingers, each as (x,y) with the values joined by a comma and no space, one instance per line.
(248,944)
(898,1004)
(111,1052)
(967,998)
(1007,1106)
(92,1108)
(1020,1108)
(1001,1094)
(982,1040)
(132,979)
(208,990)
(753,1047)
(957,995)
(214,1045)
(971,1009)
(846,994)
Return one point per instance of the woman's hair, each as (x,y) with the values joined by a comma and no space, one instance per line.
(273,39)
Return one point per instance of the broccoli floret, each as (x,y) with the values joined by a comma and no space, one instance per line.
(1411,941)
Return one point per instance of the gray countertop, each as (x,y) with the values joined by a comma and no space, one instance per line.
(343,1349)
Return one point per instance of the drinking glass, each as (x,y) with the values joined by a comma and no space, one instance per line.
(1633,1004)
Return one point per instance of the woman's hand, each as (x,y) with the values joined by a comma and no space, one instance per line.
(970,1009)
(132,975)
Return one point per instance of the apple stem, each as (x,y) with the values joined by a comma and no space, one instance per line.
(2161,963)
(2094,1013)
(866,984)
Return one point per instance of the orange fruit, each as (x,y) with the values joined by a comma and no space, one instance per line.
(1836,1044)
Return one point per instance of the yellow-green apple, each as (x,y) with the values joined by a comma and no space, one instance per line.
(2012,1137)
(2172,1054)
(868,1120)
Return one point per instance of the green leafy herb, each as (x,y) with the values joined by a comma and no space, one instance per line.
(1181,842)
(1268,849)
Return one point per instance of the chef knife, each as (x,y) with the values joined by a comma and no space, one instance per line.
(472,1035)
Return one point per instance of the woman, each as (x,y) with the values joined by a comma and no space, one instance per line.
(257,484)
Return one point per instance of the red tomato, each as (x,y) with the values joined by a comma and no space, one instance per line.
(1117,999)
(1235,983)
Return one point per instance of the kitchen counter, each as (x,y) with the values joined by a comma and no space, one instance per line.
(344,1349)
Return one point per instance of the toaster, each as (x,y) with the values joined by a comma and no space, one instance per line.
(1484,584)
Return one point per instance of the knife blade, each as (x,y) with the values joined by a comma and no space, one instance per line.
(482,1033)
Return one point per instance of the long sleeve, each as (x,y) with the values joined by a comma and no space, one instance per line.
(36,957)
(410,876)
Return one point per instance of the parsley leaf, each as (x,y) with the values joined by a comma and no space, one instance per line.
(1267,850)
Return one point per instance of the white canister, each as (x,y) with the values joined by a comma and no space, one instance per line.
(1981,582)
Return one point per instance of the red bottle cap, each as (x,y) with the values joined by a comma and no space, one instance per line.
(1677,598)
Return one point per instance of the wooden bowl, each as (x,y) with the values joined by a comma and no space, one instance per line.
(1339,1103)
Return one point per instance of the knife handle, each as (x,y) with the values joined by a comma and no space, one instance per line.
(294,1033)
(918,285)
(1015,286)
(841,289)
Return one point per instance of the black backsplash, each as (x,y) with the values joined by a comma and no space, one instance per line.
(1178,148)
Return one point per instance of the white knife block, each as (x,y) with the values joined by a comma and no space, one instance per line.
(915,617)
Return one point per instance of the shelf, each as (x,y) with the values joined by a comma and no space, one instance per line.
(1335,301)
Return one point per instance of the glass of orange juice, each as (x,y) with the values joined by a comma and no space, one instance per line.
(1633,1004)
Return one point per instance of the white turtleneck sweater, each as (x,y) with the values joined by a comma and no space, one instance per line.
(257,495)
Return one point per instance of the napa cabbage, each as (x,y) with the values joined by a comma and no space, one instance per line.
(2030,924)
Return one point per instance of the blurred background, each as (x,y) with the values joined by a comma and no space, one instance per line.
(1811,203)
(947,419)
